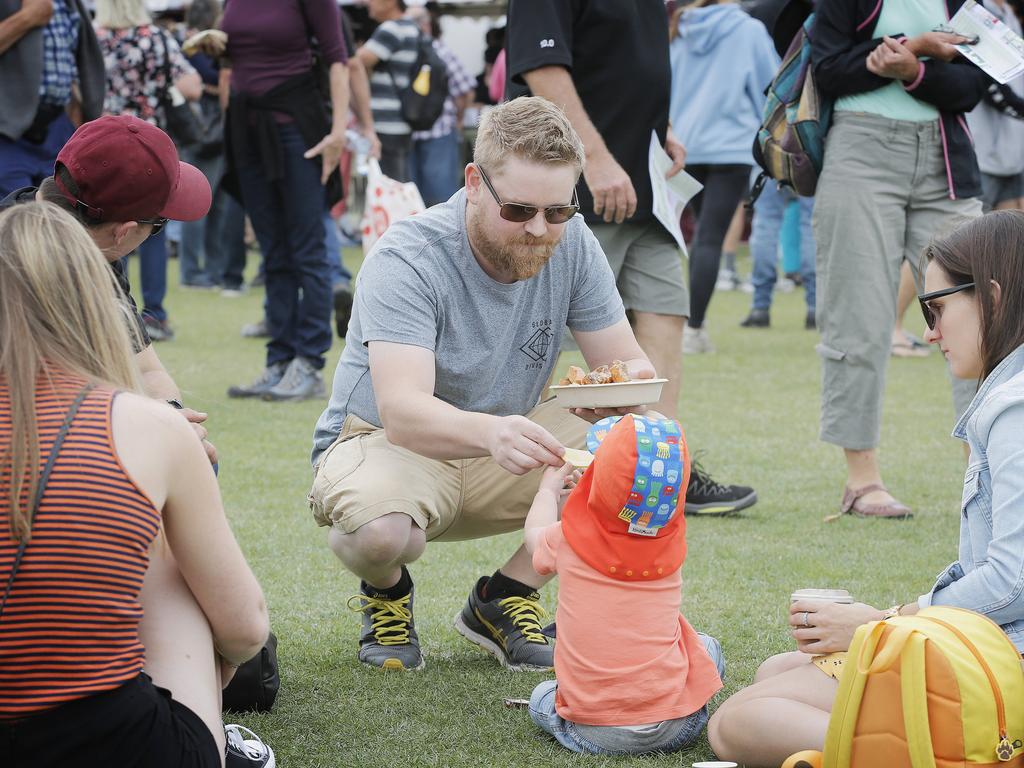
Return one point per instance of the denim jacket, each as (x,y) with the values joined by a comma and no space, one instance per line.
(988,577)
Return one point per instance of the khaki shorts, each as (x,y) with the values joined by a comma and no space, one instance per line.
(362,476)
(648,267)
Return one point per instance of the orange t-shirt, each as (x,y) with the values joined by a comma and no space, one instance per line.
(624,655)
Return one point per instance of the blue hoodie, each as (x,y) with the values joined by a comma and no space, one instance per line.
(722,62)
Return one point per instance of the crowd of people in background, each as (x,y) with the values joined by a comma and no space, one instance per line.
(246,127)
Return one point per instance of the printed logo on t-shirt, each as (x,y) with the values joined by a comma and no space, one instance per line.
(549,43)
(537,346)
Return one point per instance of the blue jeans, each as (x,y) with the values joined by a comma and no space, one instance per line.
(332,241)
(153,275)
(24,164)
(434,166)
(198,239)
(288,218)
(667,736)
(225,240)
(764,244)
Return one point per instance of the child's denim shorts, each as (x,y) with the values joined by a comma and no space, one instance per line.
(666,736)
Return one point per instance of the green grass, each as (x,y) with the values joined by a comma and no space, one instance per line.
(752,408)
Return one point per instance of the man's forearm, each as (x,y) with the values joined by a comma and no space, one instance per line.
(224,87)
(156,381)
(555,84)
(359,84)
(13,28)
(160,386)
(430,427)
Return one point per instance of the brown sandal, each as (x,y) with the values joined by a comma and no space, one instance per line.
(891,510)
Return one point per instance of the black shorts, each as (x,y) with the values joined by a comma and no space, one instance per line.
(135,726)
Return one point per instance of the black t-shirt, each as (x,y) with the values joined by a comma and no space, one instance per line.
(617,54)
(27,195)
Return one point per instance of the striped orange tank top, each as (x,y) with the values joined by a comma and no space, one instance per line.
(71,625)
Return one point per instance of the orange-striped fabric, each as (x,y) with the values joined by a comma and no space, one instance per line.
(70,628)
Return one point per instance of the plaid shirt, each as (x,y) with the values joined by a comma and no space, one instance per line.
(60,41)
(459,83)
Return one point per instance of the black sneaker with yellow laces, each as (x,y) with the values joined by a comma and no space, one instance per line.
(388,637)
(508,628)
(706,497)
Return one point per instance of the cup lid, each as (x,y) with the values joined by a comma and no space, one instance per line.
(831,595)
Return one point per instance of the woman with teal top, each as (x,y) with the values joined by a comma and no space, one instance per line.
(899,168)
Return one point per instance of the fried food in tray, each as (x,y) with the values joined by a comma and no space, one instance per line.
(603,374)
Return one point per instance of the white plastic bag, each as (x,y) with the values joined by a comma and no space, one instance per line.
(387,201)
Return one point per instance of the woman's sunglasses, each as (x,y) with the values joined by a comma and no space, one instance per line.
(931,317)
(553,214)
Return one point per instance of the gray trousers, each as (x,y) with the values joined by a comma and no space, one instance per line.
(882,196)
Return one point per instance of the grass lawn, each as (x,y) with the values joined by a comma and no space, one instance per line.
(751,408)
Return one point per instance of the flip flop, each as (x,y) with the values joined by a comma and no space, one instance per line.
(908,349)
(916,341)
(853,504)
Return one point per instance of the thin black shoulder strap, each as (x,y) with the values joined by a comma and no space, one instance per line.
(44,478)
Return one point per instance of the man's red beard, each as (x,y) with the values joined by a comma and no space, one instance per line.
(520,257)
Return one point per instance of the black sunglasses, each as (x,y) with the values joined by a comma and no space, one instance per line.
(517,212)
(158,223)
(930,315)
(95,215)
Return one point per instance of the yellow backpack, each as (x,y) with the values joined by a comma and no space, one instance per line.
(938,689)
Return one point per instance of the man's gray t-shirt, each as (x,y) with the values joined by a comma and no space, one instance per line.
(494,344)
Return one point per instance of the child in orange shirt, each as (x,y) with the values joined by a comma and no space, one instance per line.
(632,676)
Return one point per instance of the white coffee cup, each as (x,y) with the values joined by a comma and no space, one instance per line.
(823,595)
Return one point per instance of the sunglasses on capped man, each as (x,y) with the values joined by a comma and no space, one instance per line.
(96,215)
(519,213)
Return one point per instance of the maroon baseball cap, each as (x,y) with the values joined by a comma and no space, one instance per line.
(127,170)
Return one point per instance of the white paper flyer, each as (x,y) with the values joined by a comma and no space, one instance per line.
(670,195)
(999,50)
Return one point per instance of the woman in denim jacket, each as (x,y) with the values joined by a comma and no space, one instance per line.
(974,307)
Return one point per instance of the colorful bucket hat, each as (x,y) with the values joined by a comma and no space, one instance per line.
(625,517)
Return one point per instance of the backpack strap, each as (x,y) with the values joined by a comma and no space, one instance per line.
(914,693)
(843,723)
(414,68)
(44,478)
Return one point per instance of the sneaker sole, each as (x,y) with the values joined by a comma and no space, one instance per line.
(396,665)
(493,648)
(720,509)
(272,398)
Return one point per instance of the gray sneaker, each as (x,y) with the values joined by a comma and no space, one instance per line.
(508,629)
(388,637)
(257,330)
(270,377)
(301,381)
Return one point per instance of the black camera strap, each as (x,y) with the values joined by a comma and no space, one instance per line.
(43,480)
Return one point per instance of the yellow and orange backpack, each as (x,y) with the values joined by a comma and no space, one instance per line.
(938,689)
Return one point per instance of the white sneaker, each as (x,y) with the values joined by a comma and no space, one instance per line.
(785,285)
(246,750)
(696,341)
(728,280)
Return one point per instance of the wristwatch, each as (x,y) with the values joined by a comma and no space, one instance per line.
(892,612)
(175,403)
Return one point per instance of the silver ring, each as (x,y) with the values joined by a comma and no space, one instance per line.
(806,623)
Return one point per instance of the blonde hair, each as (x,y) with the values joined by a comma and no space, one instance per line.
(60,309)
(122,14)
(530,128)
